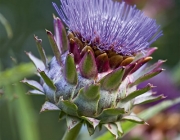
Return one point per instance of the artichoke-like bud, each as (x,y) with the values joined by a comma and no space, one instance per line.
(94,74)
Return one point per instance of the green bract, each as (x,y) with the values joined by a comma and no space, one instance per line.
(90,86)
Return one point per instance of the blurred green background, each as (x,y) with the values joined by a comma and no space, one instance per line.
(19,114)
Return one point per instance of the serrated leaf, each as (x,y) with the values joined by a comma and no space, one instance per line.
(47,80)
(150,112)
(94,122)
(37,62)
(112,80)
(133,118)
(119,128)
(153,67)
(126,105)
(136,93)
(145,77)
(87,99)
(72,135)
(68,107)
(41,51)
(113,129)
(147,99)
(35,92)
(54,46)
(33,84)
(87,66)
(48,106)
(72,122)
(146,73)
(70,70)
(146,114)
(110,114)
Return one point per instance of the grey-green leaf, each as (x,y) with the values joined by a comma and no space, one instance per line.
(146,77)
(146,114)
(70,73)
(112,80)
(110,114)
(147,99)
(60,34)
(72,121)
(87,99)
(68,107)
(94,122)
(35,92)
(48,106)
(136,93)
(87,66)
(119,128)
(37,62)
(47,80)
(41,51)
(113,129)
(133,118)
(33,84)
(54,46)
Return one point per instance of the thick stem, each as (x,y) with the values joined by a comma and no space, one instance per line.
(73,133)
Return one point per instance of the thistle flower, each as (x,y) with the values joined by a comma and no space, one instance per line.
(97,64)
(109,25)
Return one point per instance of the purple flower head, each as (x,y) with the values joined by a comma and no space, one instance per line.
(109,25)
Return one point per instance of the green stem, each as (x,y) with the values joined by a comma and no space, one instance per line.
(73,133)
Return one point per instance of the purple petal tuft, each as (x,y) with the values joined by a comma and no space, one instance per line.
(109,25)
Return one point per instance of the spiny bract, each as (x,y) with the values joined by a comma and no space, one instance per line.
(98,64)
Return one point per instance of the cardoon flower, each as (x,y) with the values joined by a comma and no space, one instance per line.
(92,78)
